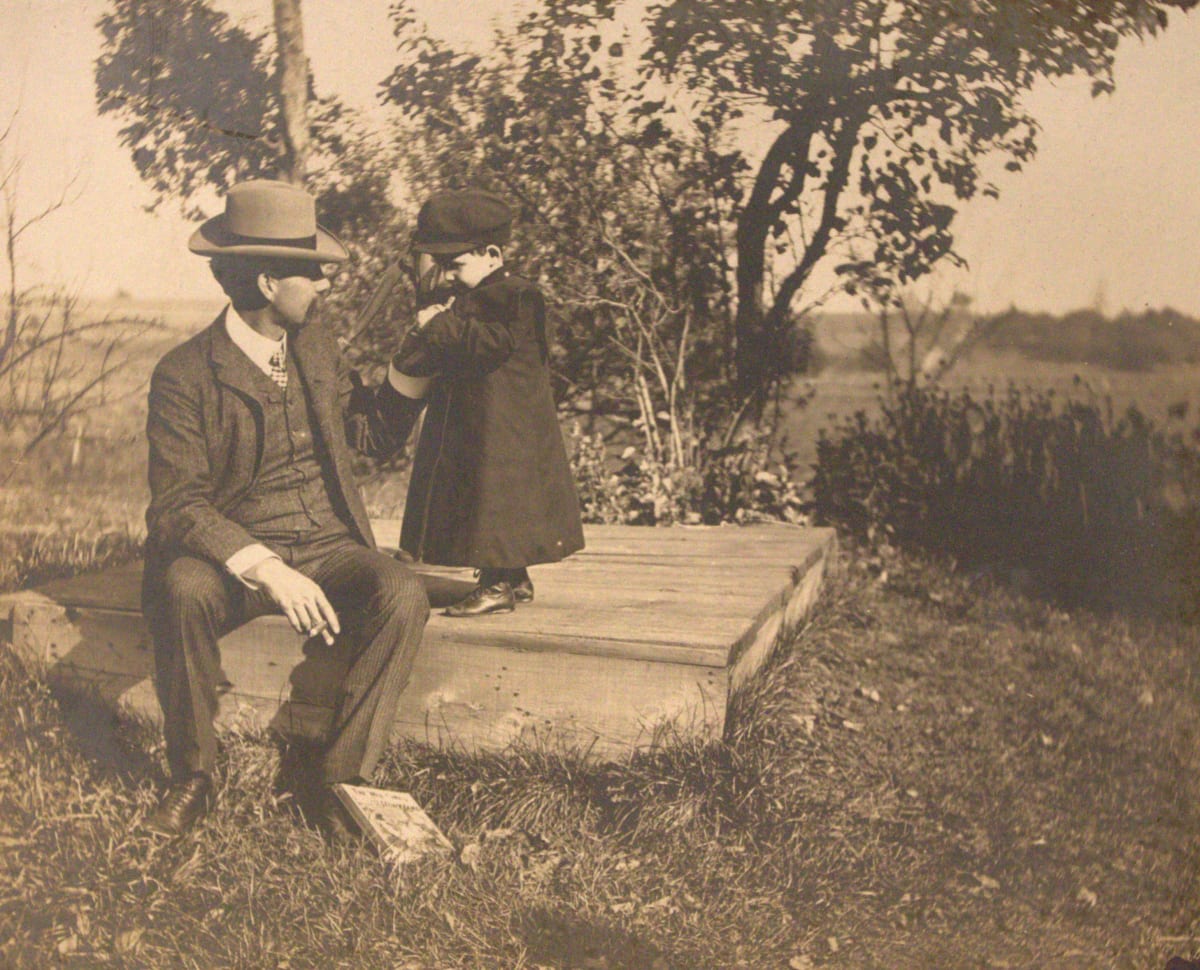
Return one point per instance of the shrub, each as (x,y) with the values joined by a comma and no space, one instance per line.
(736,484)
(1099,508)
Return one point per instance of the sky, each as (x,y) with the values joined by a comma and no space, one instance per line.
(1107,216)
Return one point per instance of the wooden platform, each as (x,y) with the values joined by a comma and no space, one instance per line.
(646,630)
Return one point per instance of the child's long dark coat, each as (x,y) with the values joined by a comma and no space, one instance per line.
(490,485)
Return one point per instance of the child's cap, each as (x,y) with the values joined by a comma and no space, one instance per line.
(456,222)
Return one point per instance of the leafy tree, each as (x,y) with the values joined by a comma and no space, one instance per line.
(682,170)
(881,114)
(196,93)
(621,218)
(881,118)
(206,102)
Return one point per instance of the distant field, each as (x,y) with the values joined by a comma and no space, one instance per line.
(843,387)
(179,316)
(178,320)
(111,452)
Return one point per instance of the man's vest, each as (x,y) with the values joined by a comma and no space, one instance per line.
(290,501)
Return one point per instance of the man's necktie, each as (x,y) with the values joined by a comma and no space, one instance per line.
(278,363)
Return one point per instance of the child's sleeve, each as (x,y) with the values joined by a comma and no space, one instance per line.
(468,337)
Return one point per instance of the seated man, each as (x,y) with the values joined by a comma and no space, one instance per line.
(253,508)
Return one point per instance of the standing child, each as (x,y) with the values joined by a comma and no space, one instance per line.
(490,487)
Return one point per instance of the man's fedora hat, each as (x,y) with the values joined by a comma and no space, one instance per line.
(458,221)
(263,217)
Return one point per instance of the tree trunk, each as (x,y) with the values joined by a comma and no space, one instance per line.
(748,318)
(293,90)
(756,325)
(753,230)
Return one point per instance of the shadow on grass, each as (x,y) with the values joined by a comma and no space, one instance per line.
(559,938)
(298,776)
(119,744)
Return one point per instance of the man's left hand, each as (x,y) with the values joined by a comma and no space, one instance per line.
(301,600)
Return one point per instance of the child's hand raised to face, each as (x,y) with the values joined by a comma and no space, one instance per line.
(432,284)
(425,314)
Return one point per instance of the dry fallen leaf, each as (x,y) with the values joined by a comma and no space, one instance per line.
(127,940)
(807,721)
(470,855)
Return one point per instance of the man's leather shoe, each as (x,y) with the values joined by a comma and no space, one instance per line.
(184,804)
(497,598)
(523,591)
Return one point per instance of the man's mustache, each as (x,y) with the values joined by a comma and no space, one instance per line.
(311,315)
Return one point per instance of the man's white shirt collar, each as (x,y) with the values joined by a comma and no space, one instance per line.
(252,343)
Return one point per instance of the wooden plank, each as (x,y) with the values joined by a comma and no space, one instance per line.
(742,580)
(594,612)
(482,696)
(754,542)
(646,628)
(120,588)
(740,558)
(627,648)
(633,564)
(728,541)
(657,628)
(108,650)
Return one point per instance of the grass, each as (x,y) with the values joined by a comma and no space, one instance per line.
(939,772)
(50,532)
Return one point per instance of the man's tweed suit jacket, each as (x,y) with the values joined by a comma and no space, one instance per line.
(205,433)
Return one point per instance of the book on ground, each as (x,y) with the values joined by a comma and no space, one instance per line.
(393,821)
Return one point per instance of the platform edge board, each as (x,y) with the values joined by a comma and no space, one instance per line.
(755,649)
(469,695)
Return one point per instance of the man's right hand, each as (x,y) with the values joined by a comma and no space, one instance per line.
(301,600)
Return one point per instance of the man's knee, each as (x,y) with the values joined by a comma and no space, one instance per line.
(194,588)
(398,589)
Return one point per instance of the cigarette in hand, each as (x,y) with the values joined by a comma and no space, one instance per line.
(323,629)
